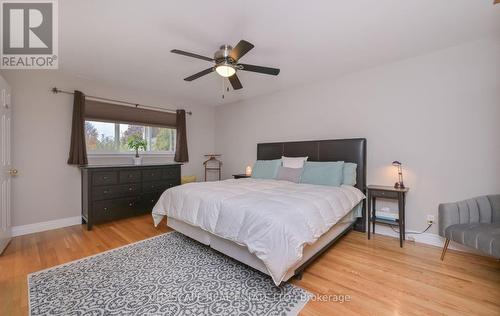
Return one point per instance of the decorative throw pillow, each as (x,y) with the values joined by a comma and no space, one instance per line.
(289,174)
(349,173)
(266,169)
(323,173)
(293,162)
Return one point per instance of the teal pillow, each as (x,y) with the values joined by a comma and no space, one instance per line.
(349,173)
(266,169)
(323,173)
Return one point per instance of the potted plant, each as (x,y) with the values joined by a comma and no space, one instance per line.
(136,142)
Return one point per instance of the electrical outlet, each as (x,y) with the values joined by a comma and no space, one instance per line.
(430,219)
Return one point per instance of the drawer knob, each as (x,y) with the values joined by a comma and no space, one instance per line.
(152,201)
(130,188)
(152,186)
(131,204)
(105,178)
(105,209)
(105,191)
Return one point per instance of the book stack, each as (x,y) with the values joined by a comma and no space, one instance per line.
(388,216)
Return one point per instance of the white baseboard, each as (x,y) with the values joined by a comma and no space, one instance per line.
(43,226)
(425,238)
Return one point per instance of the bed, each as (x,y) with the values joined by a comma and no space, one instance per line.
(276,227)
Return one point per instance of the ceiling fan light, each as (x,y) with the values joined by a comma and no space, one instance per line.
(225,70)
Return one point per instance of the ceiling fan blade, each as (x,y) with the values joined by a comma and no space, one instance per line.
(235,82)
(260,69)
(240,49)
(181,52)
(199,74)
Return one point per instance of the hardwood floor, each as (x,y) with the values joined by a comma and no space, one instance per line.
(380,277)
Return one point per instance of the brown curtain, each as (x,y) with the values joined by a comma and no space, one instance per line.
(78,150)
(181,150)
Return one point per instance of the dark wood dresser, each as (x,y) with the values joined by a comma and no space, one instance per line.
(114,192)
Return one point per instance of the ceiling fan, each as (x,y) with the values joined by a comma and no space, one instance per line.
(226,63)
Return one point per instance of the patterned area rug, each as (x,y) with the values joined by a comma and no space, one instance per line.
(166,275)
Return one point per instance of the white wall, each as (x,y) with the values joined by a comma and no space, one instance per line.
(439,114)
(46,187)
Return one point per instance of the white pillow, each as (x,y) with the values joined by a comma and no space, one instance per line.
(293,162)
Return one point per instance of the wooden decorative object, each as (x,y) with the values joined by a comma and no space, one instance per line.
(213,164)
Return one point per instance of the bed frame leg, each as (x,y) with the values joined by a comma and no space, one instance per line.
(298,276)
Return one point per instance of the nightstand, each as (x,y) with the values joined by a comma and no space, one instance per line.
(387,192)
(240,176)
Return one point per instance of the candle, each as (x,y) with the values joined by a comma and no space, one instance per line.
(248,171)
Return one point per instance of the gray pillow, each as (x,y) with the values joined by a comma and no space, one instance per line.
(289,174)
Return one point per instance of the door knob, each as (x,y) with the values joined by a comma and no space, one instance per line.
(13,172)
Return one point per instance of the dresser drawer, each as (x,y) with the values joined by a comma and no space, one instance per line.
(151,174)
(385,194)
(105,177)
(157,186)
(117,208)
(130,176)
(172,173)
(115,191)
(148,201)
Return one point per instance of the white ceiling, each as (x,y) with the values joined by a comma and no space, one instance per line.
(128,43)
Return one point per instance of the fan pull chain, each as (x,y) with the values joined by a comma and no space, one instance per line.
(223,86)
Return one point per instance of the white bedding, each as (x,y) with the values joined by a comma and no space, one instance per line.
(273,219)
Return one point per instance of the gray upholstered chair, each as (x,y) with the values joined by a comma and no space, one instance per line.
(474,223)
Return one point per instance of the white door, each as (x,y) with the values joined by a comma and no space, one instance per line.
(6,171)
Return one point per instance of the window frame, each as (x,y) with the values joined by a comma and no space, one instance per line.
(117,153)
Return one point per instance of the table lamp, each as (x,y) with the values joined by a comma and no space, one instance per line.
(399,184)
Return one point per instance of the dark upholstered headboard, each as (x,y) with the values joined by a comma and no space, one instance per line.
(348,150)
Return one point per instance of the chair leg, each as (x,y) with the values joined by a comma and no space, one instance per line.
(445,247)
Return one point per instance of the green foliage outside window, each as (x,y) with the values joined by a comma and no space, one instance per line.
(109,137)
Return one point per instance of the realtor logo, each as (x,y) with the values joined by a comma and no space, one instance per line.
(29,35)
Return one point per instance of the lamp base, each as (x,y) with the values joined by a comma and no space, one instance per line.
(399,185)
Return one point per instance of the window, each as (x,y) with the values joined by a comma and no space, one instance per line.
(110,137)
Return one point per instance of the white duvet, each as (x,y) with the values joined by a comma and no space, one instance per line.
(273,219)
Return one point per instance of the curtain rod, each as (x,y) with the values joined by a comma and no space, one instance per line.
(55,90)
